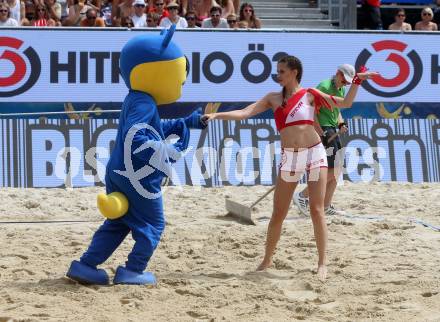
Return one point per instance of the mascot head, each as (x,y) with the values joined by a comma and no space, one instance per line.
(155,65)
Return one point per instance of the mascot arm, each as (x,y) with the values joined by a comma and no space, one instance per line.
(147,147)
(143,120)
(195,120)
(141,141)
(179,128)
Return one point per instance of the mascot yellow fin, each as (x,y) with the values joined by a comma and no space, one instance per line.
(112,206)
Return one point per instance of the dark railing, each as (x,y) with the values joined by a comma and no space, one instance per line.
(340,12)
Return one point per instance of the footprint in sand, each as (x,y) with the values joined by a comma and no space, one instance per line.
(130,302)
(343,265)
(188,292)
(299,292)
(8,299)
(16,255)
(197,315)
(282,264)
(41,315)
(30,204)
(330,306)
(23,270)
(173,255)
(248,254)
(429,294)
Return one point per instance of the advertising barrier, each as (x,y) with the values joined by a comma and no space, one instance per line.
(56,153)
(51,65)
(370,110)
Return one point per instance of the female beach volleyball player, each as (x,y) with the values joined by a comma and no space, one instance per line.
(302,150)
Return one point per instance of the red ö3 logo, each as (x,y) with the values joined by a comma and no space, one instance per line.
(11,51)
(404,68)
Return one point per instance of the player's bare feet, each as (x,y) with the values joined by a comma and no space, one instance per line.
(322,273)
(264,264)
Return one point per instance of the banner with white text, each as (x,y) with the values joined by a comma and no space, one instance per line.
(58,153)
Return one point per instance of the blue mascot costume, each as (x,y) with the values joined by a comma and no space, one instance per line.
(154,69)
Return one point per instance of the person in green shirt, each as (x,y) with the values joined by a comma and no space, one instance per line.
(330,121)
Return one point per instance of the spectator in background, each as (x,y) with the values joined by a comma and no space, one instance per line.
(123,10)
(242,24)
(370,15)
(173,18)
(64,4)
(183,7)
(247,14)
(201,7)
(95,4)
(436,11)
(92,19)
(53,23)
(106,13)
(77,12)
(139,17)
(41,17)
(16,9)
(215,21)
(159,8)
(127,22)
(426,23)
(5,16)
(152,20)
(227,7)
(236,5)
(182,4)
(29,13)
(54,9)
(191,19)
(400,23)
(232,21)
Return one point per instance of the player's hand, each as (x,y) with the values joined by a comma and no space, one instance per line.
(343,128)
(208,117)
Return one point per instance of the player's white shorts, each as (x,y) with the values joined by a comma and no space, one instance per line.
(303,159)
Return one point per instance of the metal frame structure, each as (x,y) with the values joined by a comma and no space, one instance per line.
(341,11)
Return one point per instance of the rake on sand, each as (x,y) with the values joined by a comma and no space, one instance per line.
(244,212)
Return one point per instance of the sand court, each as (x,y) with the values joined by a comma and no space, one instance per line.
(379,270)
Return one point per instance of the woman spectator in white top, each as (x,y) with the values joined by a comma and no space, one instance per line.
(16,9)
(5,20)
(139,17)
(173,18)
(426,24)
(400,23)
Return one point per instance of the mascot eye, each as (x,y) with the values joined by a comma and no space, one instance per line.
(187,66)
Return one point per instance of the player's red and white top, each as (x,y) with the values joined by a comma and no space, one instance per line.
(298,110)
